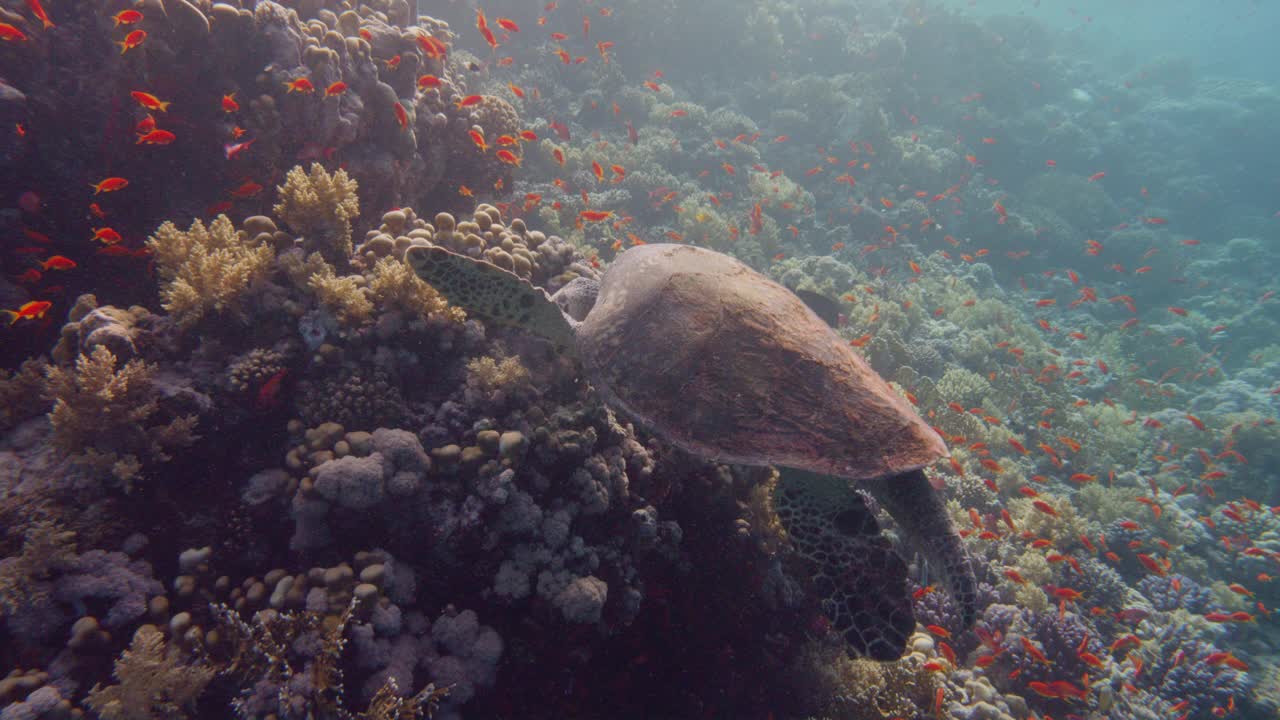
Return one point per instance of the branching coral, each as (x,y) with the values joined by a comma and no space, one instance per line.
(45,547)
(394,286)
(344,295)
(207,270)
(320,207)
(21,392)
(107,416)
(155,683)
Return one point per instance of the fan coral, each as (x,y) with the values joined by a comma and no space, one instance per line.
(207,270)
(320,207)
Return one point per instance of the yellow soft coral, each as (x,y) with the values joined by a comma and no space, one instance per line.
(394,285)
(206,270)
(107,416)
(320,207)
(343,296)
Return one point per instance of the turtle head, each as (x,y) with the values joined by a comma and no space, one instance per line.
(491,293)
(577,298)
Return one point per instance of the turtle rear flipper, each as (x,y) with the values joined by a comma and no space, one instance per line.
(860,580)
(486,290)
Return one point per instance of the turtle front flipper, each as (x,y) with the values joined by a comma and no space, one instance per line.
(484,289)
(918,510)
(861,582)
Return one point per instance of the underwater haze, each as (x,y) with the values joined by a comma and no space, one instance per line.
(654,359)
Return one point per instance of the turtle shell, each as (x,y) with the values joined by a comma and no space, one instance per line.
(732,366)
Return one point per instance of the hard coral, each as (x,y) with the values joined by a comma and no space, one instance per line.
(207,270)
(111,417)
(320,206)
(155,682)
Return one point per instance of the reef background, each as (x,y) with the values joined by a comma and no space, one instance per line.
(251,466)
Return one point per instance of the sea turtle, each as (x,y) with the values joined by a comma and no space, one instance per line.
(733,367)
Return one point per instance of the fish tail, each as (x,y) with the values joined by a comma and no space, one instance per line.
(12,320)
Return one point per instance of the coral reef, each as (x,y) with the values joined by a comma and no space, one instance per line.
(208,270)
(247,455)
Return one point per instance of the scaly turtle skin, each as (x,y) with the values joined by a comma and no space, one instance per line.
(731,366)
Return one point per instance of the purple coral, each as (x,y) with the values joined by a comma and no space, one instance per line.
(1175,591)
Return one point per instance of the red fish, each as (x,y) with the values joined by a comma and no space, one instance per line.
(508,157)
(58,262)
(595,215)
(335,89)
(300,85)
(156,137)
(470,100)
(110,184)
(149,101)
(9,33)
(247,189)
(1097,176)
(38,10)
(106,235)
(234,149)
(127,17)
(1044,507)
(402,117)
(132,40)
(268,397)
(33,310)
(429,81)
(229,104)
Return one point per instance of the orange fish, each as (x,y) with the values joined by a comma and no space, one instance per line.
(33,310)
(111,184)
(1044,507)
(335,89)
(597,170)
(58,262)
(470,100)
(106,235)
(595,215)
(465,191)
(132,40)
(429,81)
(1036,653)
(478,139)
(127,17)
(229,104)
(402,117)
(156,137)
(302,85)
(247,189)
(508,157)
(1097,176)
(1152,564)
(38,10)
(507,24)
(9,33)
(149,101)
(939,631)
